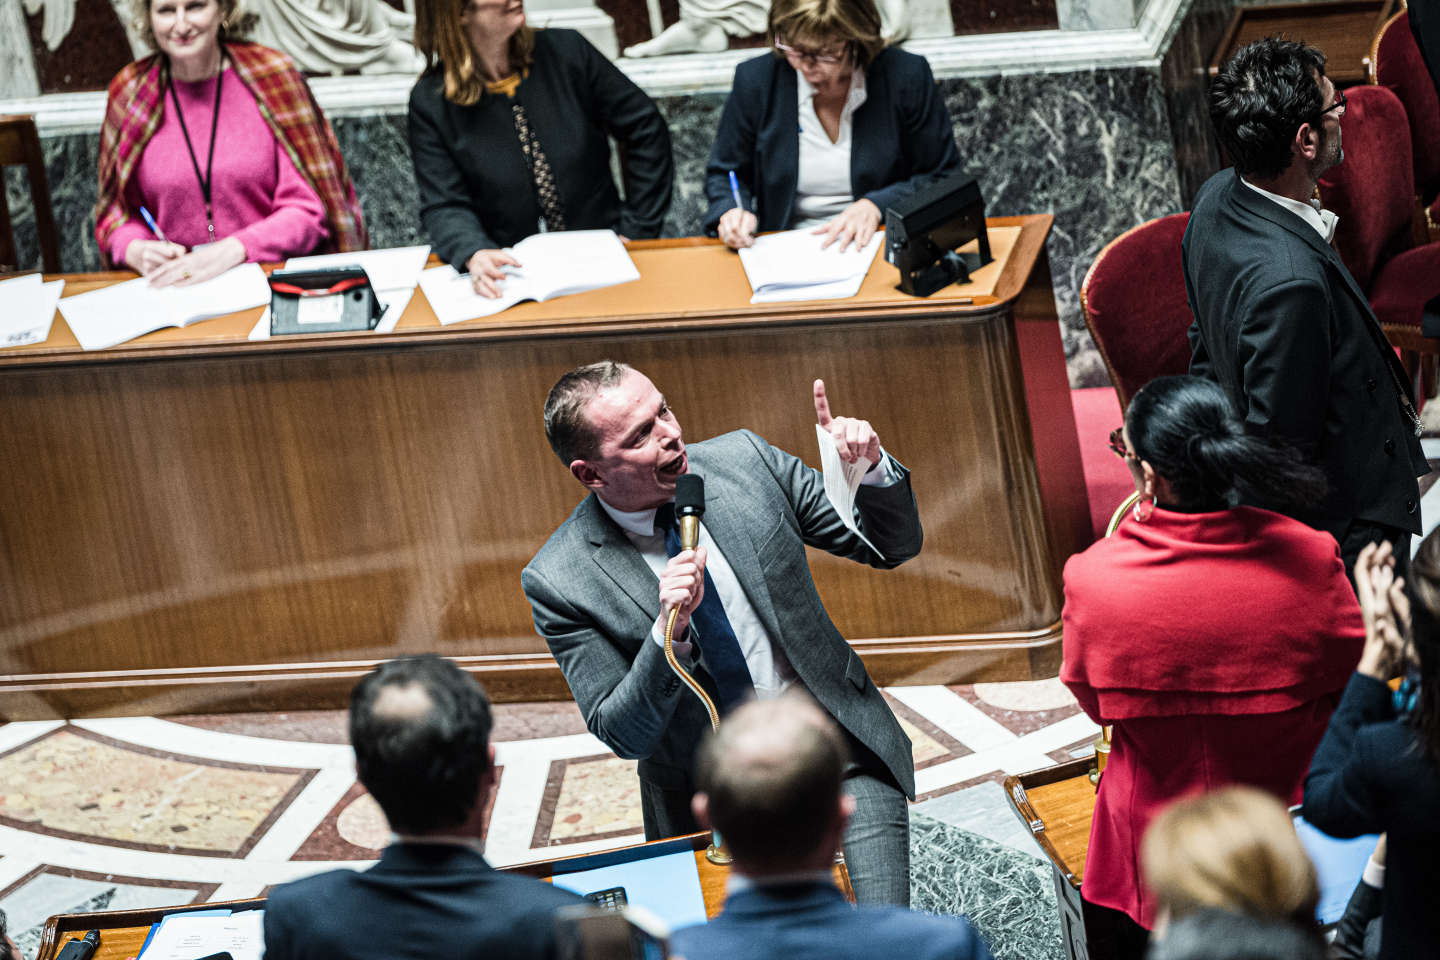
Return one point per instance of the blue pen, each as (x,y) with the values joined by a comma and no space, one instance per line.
(735,190)
(154,227)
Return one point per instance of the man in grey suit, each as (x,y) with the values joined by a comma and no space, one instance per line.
(603,583)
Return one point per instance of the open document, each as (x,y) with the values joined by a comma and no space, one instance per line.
(29,309)
(841,481)
(112,315)
(188,936)
(792,266)
(393,275)
(551,265)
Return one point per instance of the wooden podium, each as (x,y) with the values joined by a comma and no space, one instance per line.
(122,932)
(196,522)
(1057,804)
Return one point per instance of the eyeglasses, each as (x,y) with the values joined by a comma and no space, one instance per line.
(1338,106)
(809,56)
(1117,444)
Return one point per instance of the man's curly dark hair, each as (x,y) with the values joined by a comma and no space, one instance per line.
(1260,98)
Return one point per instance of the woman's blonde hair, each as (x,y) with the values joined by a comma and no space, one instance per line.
(1234,849)
(234,23)
(441,37)
(815,22)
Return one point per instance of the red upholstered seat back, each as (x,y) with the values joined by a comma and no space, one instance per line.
(1373,190)
(1398,65)
(1135,306)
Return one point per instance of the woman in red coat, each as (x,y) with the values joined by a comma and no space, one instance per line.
(1215,638)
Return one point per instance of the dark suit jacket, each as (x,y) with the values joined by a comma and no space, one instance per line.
(812,921)
(595,600)
(1369,775)
(902,139)
(421,901)
(1283,327)
(476,191)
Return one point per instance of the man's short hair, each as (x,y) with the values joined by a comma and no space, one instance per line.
(773,773)
(567,428)
(420,727)
(1260,98)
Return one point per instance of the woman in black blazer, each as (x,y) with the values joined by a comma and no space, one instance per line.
(1378,768)
(509,134)
(826,131)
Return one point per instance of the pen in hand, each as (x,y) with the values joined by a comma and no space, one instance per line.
(154,227)
(735,190)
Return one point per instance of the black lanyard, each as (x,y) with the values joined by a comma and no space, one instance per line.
(205,181)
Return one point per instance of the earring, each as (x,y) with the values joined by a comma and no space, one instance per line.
(1143,508)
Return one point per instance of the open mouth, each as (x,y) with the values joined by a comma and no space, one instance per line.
(673,468)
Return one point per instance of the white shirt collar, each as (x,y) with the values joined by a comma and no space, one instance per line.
(1323,221)
(738,882)
(639,522)
(852,103)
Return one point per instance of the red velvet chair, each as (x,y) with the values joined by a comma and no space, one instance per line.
(1134,302)
(1380,237)
(1395,62)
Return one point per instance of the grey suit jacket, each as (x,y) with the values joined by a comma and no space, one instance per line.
(595,600)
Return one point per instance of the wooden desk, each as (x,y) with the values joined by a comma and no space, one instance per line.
(196,522)
(123,931)
(1057,804)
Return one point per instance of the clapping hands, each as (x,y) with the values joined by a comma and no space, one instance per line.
(1385,609)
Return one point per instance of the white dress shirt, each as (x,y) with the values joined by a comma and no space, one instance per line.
(822,185)
(1324,221)
(769,669)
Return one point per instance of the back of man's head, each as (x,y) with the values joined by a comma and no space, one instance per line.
(771,776)
(420,727)
(1260,98)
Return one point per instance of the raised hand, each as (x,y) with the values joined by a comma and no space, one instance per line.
(1385,610)
(853,438)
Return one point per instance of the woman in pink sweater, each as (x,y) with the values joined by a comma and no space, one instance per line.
(223,147)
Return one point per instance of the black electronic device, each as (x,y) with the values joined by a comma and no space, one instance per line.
(612,898)
(322,301)
(81,949)
(924,232)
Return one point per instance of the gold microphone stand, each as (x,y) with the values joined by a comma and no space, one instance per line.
(689,538)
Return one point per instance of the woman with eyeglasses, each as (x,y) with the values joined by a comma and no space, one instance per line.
(510,131)
(1214,638)
(827,131)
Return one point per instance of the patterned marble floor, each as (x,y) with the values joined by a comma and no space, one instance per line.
(140,812)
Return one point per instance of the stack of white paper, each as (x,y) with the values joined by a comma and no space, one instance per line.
(184,937)
(551,265)
(112,315)
(29,309)
(393,274)
(791,266)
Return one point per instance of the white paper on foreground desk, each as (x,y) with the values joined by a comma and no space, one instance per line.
(551,265)
(841,481)
(241,934)
(29,309)
(112,315)
(791,266)
(393,275)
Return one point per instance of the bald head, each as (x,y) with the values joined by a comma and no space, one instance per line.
(771,777)
(420,727)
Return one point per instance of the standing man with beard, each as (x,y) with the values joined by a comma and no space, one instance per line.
(1280,323)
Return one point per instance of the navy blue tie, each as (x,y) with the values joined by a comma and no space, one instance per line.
(709,624)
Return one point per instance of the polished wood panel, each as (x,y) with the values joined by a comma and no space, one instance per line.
(198,523)
(1342,29)
(1057,805)
(122,932)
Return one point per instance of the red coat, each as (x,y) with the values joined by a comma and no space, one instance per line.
(1217,644)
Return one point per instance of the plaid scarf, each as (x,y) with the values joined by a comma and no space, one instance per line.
(135,106)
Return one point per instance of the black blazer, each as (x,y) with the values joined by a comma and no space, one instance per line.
(902,139)
(1282,326)
(476,192)
(421,901)
(1368,776)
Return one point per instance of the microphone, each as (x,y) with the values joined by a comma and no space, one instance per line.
(689,505)
(82,949)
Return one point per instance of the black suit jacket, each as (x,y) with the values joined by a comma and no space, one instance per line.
(420,902)
(476,192)
(1282,326)
(902,138)
(1368,776)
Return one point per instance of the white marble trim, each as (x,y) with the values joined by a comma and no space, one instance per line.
(1028,52)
